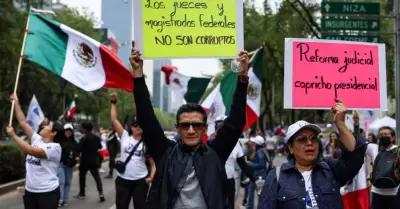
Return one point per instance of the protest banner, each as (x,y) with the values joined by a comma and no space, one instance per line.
(318,71)
(188,29)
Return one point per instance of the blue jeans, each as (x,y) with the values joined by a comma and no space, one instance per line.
(65,179)
(252,188)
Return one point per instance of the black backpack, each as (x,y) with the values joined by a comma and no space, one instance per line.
(383,171)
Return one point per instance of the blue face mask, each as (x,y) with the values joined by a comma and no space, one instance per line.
(245,150)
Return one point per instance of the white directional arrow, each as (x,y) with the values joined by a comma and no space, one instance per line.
(327,7)
(375,40)
(374,24)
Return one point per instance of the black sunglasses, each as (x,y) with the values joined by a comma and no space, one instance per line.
(303,139)
(135,125)
(186,126)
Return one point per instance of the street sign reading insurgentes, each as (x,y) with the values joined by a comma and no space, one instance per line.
(350,24)
(373,39)
(350,8)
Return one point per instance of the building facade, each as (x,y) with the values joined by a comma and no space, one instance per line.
(117,15)
(161,93)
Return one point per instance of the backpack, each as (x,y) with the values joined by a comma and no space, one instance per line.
(383,170)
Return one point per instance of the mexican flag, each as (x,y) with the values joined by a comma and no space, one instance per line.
(71,110)
(190,88)
(74,56)
(355,194)
(220,99)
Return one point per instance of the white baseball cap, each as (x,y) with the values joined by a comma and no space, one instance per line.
(258,140)
(300,125)
(68,126)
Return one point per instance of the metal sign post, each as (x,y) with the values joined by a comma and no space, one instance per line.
(397,66)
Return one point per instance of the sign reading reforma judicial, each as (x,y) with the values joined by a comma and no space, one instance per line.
(193,28)
(318,71)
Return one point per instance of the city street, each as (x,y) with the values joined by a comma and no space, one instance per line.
(13,200)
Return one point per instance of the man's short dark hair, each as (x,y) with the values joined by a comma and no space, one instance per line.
(88,126)
(191,107)
(392,133)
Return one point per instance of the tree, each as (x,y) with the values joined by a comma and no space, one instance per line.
(34,80)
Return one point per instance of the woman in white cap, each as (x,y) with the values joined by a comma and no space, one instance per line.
(308,180)
(69,156)
(257,161)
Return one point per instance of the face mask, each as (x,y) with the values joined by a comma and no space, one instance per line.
(384,140)
(245,150)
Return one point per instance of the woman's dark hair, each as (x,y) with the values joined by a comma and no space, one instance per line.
(337,141)
(374,139)
(60,132)
(253,132)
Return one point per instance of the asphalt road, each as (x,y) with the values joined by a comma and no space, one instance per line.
(13,200)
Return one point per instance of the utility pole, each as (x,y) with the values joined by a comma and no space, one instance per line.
(397,65)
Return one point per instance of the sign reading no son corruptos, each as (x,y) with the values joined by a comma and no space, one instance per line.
(318,71)
(192,28)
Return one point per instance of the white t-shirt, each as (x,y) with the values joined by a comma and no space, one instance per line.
(310,199)
(41,174)
(103,142)
(389,191)
(271,142)
(136,167)
(230,163)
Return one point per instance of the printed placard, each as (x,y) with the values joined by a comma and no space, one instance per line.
(188,29)
(318,71)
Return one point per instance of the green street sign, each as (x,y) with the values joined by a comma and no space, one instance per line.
(350,24)
(350,8)
(373,39)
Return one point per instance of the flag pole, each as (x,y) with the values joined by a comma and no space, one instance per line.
(19,67)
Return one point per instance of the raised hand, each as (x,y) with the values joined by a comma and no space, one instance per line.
(244,59)
(113,97)
(339,111)
(356,118)
(136,62)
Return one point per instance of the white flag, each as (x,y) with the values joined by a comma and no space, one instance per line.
(35,114)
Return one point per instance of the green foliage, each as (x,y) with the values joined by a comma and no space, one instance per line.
(12,163)
(167,121)
(53,93)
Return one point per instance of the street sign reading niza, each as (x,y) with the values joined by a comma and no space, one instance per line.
(350,8)
(373,39)
(350,24)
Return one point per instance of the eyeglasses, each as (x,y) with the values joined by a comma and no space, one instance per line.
(135,125)
(195,126)
(303,139)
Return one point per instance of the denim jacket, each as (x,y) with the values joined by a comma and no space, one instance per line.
(328,176)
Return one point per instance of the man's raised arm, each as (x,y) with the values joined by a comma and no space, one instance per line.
(229,133)
(155,140)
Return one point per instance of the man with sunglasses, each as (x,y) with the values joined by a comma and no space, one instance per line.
(190,173)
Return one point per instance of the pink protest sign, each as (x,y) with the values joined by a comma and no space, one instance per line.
(318,71)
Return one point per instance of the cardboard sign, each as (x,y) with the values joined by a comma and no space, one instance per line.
(188,29)
(318,71)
